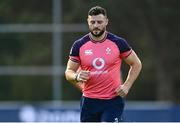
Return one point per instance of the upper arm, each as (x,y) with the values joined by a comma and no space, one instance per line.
(132,59)
(73,62)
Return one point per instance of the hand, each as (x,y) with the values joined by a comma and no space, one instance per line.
(83,76)
(122,90)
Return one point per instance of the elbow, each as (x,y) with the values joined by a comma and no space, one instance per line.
(139,65)
(66,75)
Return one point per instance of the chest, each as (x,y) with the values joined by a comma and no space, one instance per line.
(99,53)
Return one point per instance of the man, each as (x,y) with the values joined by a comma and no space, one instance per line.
(94,66)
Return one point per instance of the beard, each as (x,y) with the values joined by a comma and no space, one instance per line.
(97,32)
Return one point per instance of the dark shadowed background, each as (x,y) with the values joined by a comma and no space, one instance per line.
(152,28)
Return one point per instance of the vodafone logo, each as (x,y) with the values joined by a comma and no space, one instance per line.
(98,63)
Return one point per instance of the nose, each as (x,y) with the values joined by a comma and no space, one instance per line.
(96,24)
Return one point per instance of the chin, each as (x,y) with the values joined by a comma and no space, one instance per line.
(97,34)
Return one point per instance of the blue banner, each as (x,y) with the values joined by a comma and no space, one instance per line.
(64,113)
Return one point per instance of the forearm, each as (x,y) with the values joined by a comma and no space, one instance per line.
(71,76)
(132,74)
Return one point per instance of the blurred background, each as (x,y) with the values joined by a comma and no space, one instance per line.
(35,40)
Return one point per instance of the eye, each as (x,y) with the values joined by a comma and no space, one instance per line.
(92,22)
(99,22)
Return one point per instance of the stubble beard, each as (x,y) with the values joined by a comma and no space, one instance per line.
(98,34)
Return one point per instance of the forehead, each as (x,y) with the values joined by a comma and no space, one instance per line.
(96,17)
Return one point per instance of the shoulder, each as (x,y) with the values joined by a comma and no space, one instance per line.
(79,42)
(121,43)
(115,38)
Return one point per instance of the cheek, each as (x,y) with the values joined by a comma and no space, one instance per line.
(102,26)
(90,27)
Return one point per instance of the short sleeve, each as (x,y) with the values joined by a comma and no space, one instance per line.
(124,48)
(74,52)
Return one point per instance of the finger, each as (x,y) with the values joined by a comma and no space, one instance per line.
(83,75)
(83,78)
(121,93)
(86,73)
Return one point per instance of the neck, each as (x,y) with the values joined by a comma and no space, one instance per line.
(98,38)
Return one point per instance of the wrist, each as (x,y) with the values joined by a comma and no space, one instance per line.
(127,84)
(76,77)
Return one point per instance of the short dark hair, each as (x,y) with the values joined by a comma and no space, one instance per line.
(97,10)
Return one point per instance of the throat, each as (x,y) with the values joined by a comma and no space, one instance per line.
(99,38)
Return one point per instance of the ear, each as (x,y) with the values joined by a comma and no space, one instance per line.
(88,19)
(107,21)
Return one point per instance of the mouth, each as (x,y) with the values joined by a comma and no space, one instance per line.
(96,29)
(96,32)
